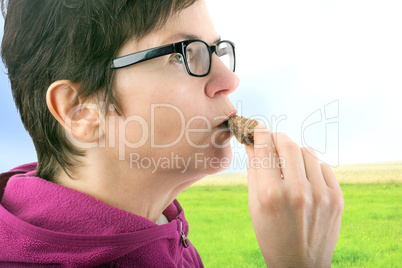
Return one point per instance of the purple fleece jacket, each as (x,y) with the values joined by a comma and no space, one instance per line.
(44,223)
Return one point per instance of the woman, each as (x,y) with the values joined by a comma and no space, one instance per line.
(126,103)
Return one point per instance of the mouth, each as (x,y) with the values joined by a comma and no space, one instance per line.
(224,122)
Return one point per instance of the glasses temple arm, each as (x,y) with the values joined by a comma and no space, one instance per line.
(141,56)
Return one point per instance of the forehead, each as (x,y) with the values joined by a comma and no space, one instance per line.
(192,22)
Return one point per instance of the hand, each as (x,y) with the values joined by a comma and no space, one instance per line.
(296,218)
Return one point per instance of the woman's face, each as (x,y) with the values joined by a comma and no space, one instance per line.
(172,121)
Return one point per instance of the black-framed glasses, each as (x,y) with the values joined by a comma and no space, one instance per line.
(196,56)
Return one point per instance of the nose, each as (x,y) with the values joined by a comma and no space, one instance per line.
(221,79)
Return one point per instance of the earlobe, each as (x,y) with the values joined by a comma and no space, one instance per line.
(80,119)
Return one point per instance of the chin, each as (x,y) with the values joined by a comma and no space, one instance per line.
(220,161)
(213,159)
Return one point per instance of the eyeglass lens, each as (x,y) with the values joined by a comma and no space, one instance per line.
(226,54)
(198,57)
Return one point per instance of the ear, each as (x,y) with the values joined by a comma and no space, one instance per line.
(82,120)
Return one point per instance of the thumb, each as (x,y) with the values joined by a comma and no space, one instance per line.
(251,175)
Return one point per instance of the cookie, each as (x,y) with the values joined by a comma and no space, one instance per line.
(242,128)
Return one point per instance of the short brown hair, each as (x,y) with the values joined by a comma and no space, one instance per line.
(49,40)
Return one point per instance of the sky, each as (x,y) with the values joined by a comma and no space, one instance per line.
(326,72)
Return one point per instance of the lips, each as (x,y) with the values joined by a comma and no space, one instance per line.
(223,123)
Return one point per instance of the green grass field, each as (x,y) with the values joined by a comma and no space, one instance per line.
(221,229)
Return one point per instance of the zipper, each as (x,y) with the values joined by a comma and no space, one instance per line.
(183,236)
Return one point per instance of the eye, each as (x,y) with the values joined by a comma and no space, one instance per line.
(222,51)
(190,54)
(178,58)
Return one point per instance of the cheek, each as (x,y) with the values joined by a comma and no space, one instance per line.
(198,131)
(174,122)
(166,105)
(173,111)
(167,123)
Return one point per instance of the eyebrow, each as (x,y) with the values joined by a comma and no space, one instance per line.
(186,36)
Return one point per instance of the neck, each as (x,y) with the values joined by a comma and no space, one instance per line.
(140,192)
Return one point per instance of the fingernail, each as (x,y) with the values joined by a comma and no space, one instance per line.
(261,128)
(248,148)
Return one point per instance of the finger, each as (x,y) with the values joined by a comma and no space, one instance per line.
(251,175)
(293,168)
(329,177)
(265,160)
(251,172)
(267,176)
(312,166)
(250,155)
